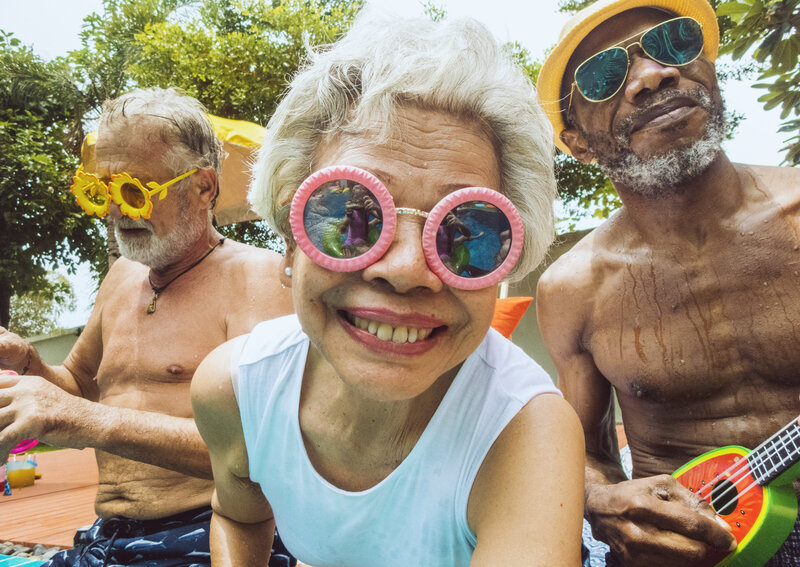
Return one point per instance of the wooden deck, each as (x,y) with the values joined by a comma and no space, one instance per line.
(56,505)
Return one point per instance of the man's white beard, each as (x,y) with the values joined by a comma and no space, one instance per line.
(155,251)
(660,175)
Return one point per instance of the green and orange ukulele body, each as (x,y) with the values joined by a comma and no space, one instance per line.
(752,492)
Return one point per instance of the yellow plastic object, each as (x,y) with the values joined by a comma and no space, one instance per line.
(241,140)
(20,474)
(133,198)
(238,132)
(90,192)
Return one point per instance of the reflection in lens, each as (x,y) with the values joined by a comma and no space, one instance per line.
(132,195)
(600,76)
(343,219)
(676,42)
(96,192)
(473,239)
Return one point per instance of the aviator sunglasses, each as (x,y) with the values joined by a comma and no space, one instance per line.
(133,197)
(673,43)
(344,219)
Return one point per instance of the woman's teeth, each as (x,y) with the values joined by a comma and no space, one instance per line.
(386,332)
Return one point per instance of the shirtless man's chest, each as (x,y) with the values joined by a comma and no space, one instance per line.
(702,343)
(148,363)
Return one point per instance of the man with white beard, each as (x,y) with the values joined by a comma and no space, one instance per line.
(179,291)
(686,303)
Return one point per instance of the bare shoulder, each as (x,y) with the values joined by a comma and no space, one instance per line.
(526,503)
(572,279)
(585,265)
(121,272)
(546,426)
(570,270)
(212,380)
(244,260)
(249,278)
(214,404)
(781,183)
(116,288)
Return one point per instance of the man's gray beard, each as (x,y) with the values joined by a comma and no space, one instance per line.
(158,252)
(660,175)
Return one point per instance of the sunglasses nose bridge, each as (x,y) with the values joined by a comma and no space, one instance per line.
(403,265)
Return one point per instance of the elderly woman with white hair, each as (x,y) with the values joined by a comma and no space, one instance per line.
(385,424)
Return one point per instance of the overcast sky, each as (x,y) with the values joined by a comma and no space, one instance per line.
(52,27)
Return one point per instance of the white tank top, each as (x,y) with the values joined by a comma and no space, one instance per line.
(417,515)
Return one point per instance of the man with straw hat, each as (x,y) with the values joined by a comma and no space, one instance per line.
(686,303)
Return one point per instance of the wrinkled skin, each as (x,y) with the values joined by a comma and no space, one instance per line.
(686,304)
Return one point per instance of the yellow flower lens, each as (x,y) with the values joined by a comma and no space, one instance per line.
(133,199)
(90,193)
(132,195)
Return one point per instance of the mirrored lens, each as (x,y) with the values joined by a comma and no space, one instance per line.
(343,219)
(473,239)
(675,42)
(95,191)
(133,195)
(600,76)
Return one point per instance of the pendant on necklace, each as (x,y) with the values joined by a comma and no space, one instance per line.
(152,307)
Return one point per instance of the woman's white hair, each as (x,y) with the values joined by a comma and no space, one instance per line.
(384,62)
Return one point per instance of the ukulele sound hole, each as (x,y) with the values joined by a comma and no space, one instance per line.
(724,497)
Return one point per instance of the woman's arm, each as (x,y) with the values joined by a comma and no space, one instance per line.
(526,505)
(242,526)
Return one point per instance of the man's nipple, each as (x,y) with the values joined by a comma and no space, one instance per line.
(175,369)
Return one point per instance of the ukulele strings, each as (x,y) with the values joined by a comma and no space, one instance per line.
(732,493)
(742,463)
(743,469)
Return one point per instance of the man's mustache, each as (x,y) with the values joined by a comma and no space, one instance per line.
(624,129)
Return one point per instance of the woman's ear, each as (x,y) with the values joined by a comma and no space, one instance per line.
(286,265)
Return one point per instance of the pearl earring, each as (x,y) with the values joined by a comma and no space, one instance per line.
(288,272)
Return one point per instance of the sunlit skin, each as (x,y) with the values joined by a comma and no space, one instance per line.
(671,124)
(366,399)
(687,304)
(130,371)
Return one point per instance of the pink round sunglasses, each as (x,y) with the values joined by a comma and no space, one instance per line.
(344,219)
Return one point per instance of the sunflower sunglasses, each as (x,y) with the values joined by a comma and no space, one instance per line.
(674,43)
(135,199)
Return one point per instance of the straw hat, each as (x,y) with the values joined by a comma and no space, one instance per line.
(582,23)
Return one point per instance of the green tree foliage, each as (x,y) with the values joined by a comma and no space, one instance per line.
(40,122)
(234,56)
(109,47)
(35,312)
(772,27)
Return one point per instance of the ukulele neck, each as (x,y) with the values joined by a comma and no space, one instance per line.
(775,455)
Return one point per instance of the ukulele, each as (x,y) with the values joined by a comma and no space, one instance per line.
(752,492)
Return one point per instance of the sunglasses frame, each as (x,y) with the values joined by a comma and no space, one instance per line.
(113,191)
(433,220)
(628,58)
